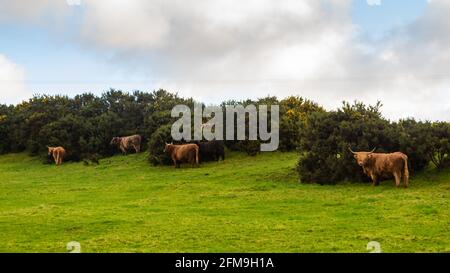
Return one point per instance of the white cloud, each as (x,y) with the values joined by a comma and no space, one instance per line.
(135,25)
(12,82)
(32,11)
(222,40)
(221,49)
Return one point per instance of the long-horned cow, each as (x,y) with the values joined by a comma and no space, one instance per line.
(126,143)
(382,165)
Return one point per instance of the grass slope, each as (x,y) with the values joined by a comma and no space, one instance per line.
(250,204)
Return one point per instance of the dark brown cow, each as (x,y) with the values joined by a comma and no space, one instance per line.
(182,153)
(126,143)
(58,154)
(210,150)
(380,165)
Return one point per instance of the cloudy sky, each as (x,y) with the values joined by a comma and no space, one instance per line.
(396,51)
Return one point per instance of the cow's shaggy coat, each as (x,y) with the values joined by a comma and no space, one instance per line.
(183,153)
(381,165)
(58,154)
(126,143)
(211,150)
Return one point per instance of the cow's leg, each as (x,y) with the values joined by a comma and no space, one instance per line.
(406,180)
(195,162)
(124,152)
(374,180)
(138,148)
(397,177)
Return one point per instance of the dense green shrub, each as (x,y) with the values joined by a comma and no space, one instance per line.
(85,124)
(5,127)
(415,140)
(156,145)
(325,157)
(75,135)
(293,115)
(440,150)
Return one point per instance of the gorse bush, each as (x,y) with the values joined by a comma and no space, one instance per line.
(415,140)
(156,145)
(294,112)
(325,140)
(327,136)
(440,150)
(85,125)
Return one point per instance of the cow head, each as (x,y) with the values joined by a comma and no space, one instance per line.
(115,141)
(167,147)
(362,158)
(50,150)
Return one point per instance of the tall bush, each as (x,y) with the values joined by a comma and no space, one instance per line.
(156,145)
(325,157)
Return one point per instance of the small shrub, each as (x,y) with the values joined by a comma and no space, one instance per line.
(156,146)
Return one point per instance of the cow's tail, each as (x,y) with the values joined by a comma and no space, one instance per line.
(406,172)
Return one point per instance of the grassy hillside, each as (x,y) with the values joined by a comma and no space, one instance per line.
(251,204)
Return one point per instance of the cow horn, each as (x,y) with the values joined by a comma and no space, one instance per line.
(371,152)
(350,149)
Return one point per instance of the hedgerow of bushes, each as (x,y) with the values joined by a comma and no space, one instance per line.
(86,123)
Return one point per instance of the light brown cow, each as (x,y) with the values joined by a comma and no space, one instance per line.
(380,165)
(182,153)
(126,143)
(58,154)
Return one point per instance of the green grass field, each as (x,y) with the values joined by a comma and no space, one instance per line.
(244,204)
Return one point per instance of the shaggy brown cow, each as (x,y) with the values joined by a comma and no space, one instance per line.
(379,165)
(182,153)
(126,143)
(58,154)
